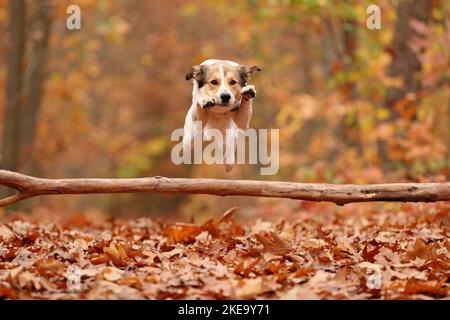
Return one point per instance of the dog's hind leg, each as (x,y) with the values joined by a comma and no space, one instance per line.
(230,146)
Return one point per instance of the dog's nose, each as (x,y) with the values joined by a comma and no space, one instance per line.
(225,97)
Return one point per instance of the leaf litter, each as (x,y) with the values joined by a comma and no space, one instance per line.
(386,254)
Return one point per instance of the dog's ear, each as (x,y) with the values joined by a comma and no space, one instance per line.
(194,73)
(246,72)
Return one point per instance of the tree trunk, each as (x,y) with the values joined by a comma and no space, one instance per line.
(305,62)
(405,63)
(14,81)
(35,76)
(10,148)
(447,165)
(343,37)
(347,130)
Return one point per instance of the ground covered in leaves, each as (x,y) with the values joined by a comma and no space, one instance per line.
(389,254)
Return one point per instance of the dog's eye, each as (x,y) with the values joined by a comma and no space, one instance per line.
(214,82)
(233,82)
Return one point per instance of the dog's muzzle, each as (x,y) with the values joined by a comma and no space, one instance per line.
(225,98)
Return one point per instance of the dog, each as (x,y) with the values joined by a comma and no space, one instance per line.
(221,99)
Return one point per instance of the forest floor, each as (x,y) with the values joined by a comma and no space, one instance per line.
(383,254)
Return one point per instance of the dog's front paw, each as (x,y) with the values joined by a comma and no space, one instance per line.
(248,92)
(206,102)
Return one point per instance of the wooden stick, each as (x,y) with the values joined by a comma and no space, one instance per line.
(340,194)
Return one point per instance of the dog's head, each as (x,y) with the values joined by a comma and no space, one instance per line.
(221,80)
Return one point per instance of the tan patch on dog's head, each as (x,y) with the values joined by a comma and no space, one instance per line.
(222,80)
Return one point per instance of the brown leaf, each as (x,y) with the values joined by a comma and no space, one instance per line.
(117,254)
(251,288)
(49,266)
(370,255)
(134,251)
(7,293)
(344,250)
(436,290)
(304,272)
(272,243)
(112,274)
(99,259)
(6,234)
(182,232)
(225,227)
(133,282)
(421,250)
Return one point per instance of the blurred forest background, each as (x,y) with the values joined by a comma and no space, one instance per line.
(353,105)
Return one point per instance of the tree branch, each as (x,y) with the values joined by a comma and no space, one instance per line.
(341,194)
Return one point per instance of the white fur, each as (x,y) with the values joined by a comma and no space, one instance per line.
(218,117)
(214,61)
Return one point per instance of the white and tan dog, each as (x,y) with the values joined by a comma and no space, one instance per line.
(221,99)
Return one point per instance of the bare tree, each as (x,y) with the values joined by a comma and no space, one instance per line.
(35,73)
(14,83)
(24,85)
(405,63)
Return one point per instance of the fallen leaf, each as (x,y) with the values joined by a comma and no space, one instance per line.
(272,243)
(6,234)
(112,274)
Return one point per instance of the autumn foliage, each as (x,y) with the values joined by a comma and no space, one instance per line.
(115,91)
(331,256)
(353,105)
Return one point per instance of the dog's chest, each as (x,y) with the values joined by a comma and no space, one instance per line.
(221,122)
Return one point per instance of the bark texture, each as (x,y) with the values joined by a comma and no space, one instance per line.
(29,187)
